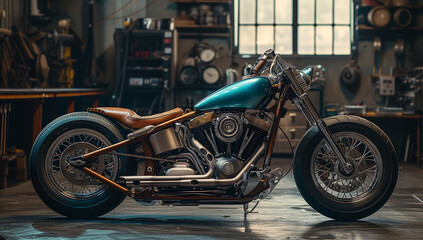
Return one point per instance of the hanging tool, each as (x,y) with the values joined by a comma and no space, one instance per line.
(377,56)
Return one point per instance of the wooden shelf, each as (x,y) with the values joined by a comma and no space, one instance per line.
(370,28)
(203,30)
(369,32)
(377,75)
(203,34)
(202,26)
(393,7)
(202,1)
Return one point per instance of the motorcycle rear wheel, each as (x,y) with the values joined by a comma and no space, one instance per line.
(65,189)
(328,188)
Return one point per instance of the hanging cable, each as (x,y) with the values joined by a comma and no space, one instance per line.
(128,15)
(292,151)
(128,4)
(246,211)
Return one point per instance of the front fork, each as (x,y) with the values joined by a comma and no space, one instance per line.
(313,117)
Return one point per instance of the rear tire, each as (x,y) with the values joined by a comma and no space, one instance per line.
(65,189)
(328,188)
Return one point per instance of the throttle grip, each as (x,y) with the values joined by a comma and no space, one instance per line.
(261,61)
(257,66)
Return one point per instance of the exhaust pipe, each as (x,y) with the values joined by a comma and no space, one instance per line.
(192,180)
(210,173)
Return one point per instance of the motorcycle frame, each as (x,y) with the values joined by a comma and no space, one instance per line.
(280,88)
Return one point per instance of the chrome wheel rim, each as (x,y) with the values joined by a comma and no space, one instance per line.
(72,182)
(331,179)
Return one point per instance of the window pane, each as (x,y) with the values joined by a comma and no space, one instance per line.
(247,11)
(324,11)
(265,38)
(305,40)
(265,11)
(342,40)
(324,40)
(342,12)
(273,26)
(236,8)
(305,11)
(283,40)
(283,11)
(247,42)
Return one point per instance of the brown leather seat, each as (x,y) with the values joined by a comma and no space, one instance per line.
(129,118)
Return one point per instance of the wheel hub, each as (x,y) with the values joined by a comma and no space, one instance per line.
(350,155)
(342,171)
(340,180)
(74,175)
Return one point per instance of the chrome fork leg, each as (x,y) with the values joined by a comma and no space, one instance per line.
(313,117)
(324,129)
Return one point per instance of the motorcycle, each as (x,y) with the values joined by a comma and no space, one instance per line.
(84,164)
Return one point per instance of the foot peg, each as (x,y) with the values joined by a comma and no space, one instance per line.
(273,177)
(260,182)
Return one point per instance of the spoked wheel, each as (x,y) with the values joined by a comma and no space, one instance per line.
(332,180)
(66,189)
(340,194)
(70,181)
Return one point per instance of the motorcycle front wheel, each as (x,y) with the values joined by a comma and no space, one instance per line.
(331,190)
(64,188)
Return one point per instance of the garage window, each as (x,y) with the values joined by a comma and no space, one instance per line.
(293,27)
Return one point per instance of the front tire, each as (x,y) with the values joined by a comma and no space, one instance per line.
(328,188)
(68,190)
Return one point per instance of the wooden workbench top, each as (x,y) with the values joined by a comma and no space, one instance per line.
(374,114)
(31,93)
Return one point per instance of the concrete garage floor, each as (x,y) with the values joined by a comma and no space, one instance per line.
(284,215)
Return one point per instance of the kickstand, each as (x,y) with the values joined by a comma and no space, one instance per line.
(246,211)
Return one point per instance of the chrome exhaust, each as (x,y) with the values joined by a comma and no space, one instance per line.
(206,155)
(210,173)
(192,180)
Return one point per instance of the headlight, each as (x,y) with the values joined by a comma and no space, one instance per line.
(305,79)
(307,74)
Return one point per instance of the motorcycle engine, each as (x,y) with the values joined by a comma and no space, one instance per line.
(169,144)
(231,137)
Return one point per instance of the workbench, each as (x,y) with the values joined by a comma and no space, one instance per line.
(413,118)
(28,115)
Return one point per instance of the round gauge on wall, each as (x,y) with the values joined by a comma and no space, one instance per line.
(188,75)
(211,75)
(207,55)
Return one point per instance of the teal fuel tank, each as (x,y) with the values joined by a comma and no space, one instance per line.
(245,94)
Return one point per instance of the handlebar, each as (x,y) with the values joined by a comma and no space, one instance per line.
(261,61)
(257,66)
(277,62)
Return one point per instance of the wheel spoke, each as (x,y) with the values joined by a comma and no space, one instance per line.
(369,169)
(69,181)
(332,179)
(354,146)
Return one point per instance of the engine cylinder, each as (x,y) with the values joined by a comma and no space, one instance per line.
(236,134)
(165,141)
